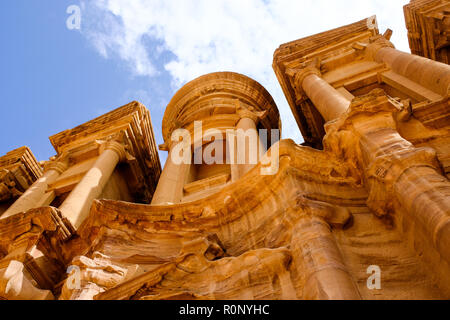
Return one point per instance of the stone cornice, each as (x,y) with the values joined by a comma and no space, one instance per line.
(427,31)
(19,169)
(45,218)
(130,125)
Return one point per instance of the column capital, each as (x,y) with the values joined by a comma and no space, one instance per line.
(115,146)
(56,165)
(376,43)
(298,75)
(246,111)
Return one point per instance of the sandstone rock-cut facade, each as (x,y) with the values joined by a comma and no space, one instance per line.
(111,157)
(361,210)
(428,23)
(18,171)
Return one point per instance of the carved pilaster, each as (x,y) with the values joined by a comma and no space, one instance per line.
(321,267)
(396,172)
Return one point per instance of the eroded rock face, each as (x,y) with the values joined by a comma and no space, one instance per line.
(274,244)
(310,231)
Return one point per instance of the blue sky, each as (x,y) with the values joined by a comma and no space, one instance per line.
(53,78)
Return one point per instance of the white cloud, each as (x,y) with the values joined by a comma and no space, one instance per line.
(230,35)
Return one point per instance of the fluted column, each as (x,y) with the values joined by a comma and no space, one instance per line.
(430,74)
(172,180)
(327,100)
(32,198)
(76,207)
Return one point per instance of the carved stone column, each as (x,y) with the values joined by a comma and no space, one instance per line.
(33,197)
(430,74)
(322,271)
(328,101)
(400,172)
(76,207)
(232,147)
(248,146)
(172,180)
(396,172)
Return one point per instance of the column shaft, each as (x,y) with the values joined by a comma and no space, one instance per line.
(328,101)
(248,146)
(432,75)
(171,183)
(77,205)
(419,188)
(232,149)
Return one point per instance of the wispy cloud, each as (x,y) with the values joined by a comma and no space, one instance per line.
(223,35)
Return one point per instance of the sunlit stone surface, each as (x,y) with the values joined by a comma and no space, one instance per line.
(368,190)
